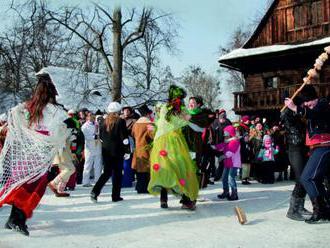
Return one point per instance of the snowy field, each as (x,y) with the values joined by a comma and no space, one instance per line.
(139,222)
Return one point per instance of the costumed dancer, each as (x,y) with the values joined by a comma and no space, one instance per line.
(36,131)
(172,168)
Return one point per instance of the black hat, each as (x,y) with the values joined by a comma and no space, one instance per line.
(144,110)
(98,112)
(308,93)
(298,100)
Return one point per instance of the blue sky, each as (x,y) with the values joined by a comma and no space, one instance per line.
(205,25)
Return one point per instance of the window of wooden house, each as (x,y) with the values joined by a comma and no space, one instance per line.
(271,82)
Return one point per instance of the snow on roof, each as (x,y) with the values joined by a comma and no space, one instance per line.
(242,52)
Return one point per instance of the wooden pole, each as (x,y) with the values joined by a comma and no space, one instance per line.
(312,73)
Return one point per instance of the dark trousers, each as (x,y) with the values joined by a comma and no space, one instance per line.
(113,166)
(297,158)
(267,172)
(163,195)
(315,171)
(142,181)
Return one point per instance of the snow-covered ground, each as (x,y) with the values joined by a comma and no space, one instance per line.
(139,222)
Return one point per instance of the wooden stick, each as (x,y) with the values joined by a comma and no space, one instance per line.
(312,73)
(296,93)
(241,216)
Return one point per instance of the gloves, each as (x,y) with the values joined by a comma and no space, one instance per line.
(127,156)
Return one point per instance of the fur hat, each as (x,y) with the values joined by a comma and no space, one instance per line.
(114,107)
(308,93)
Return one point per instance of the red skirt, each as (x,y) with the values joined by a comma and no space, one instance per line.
(27,196)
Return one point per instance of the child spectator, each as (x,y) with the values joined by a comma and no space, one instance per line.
(232,162)
(266,155)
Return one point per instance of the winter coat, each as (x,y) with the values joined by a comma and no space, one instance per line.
(231,152)
(231,149)
(267,152)
(294,128)
(318,123)
(218,130)
(143,138)
(92,144)
(246,151)
(115,143)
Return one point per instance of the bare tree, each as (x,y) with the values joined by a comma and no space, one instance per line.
(143,62)
(199,83)
(107,34)
(30,44)
(235,79)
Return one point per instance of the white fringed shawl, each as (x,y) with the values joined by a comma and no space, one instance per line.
(28,154)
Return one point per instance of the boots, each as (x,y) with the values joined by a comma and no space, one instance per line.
(320,211)
(224,195)
(163,204)
(93,197)
(233,196)
(301,209)
(12,218)
(17,221)
(295,205)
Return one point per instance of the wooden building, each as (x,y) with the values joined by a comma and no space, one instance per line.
(284,46)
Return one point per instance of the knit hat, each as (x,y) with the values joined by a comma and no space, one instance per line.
(265,138)
(245,118)
(308,93)
(229,131)
(71,112)
(114,107)
(222,113)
